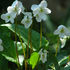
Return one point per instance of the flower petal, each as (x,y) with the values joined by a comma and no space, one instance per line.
(43,3)
(10,9)
(56,32)
(33,7)
(3,16)
(43,16)
(12,20)
(47,11)
(38,18)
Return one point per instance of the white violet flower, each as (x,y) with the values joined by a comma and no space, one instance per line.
(62,31)
(40,11)
(63,42)
(27,20)
(8,17)
(12,11)
(16,7)
(21,59)
(1,47)
(43,55)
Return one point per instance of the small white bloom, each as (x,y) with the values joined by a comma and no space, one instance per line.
(43,55)
(21,59)
(27,20)
(29,14)
(16,7)
(63,42)
(8,17)
(40,11)
(62,31)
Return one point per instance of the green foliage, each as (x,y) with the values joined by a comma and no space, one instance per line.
(8,44)
(35,37)
(3,63)
(53,60)
(57,62)
(34,59)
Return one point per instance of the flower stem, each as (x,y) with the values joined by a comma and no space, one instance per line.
(28,41)
(30,31)
(16,48)
(23,52)
(57,47)
(22,46)
(27,48)
(40,34)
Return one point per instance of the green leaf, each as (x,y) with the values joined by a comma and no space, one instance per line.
(52,60)
(62,58)
(34,59)
(3,63)
(63,61)
(9,51)
(35,37)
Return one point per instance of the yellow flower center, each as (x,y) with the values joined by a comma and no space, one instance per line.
(8,17)
(15,9)
(62,30)
(43,56)
(27,21)
(41,9)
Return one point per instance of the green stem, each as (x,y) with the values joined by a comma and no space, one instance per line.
(57,47)
(22,46)
(28,47)
(29,41)
(16,48)
(23,52)
(40,34)
(30,31)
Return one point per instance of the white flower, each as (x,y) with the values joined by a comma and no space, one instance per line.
(13,10)
(27,20)
(8,17)
(29,14)
(1,47)
(43,55)
(62,31)
(63,42)
(21,59)
(16,7)
(40,11)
